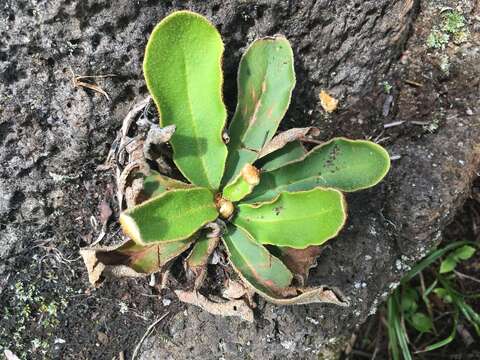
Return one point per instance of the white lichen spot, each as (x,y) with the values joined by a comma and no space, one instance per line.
(312,320)
(123,307)
(393,285)
(373,309)
(288,344)
(398,264)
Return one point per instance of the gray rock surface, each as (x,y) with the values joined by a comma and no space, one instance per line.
(53,135)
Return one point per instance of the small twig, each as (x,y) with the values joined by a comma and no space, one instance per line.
(413,83)
(147,333)
(465,276)
(361,353)
(77,81)
(395,157)
(393,124)
(381,140)
(94,76)
(310,140)
(420,123)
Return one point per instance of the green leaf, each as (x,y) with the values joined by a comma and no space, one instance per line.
(443,294)
(266,78)
(265,273)
(409,301)
(295,220)
(243,185)
(201,251)
(448,265)
(156,184)
(343,164)
(171,216)
(268,276)
(183,72)
(197,260)
(421,322)
(447,340)
(291,152)
(464,253)
(430,259)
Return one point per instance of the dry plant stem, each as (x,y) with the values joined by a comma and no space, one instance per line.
(393,124)
(465,276)
(413,83)
(149,330)
(77,82)
(285,137)
(123,143)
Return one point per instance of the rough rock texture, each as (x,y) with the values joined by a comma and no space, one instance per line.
(53,135)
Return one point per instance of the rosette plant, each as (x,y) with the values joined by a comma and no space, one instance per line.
(274,199)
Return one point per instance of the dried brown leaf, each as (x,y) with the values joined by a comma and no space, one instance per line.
(229,308)
(300,261)
(282,139)
(234,290)
(93,87)
(129,259)
(310,295)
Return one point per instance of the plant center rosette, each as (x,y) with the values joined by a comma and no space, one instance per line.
(251,201)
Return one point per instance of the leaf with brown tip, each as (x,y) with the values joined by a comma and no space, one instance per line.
(259,269)
(266,78)
(300,261)
(130,259)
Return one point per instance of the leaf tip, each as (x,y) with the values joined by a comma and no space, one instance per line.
(130,228)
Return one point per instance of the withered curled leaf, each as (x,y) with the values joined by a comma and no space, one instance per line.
(129,259)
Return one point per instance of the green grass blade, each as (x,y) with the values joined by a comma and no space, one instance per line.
(430,259)
(447,340)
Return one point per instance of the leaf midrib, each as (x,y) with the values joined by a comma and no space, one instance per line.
(315,215)
(194,124)
(355,167)
(258,104)
(191,211)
